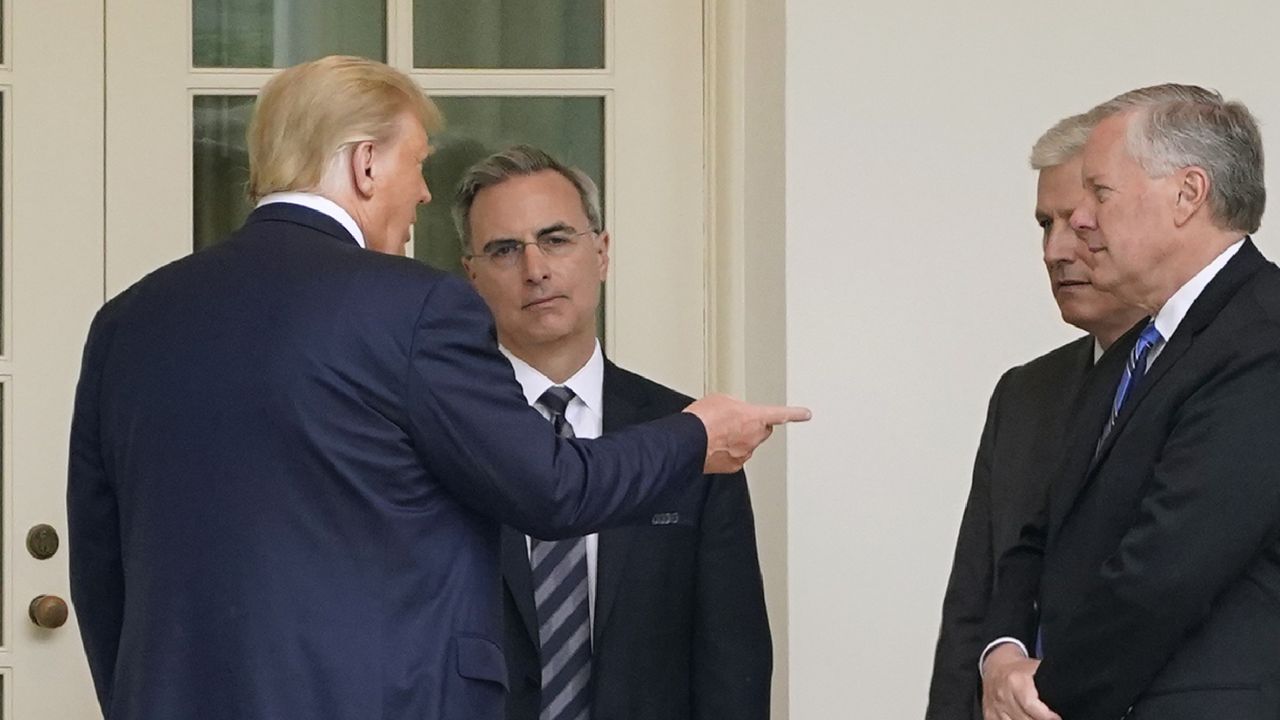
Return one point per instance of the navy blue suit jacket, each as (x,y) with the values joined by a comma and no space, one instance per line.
(290,458)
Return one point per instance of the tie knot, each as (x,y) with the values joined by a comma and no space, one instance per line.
(1149,336)
(556,399)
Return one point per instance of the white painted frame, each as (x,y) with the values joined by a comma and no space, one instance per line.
(746,292)
(53,277)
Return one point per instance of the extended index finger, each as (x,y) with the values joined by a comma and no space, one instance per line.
(782,414)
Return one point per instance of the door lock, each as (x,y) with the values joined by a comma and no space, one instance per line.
(42,541)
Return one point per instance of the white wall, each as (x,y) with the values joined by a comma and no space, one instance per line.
(913,280)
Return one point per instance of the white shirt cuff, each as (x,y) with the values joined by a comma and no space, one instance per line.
(982,659)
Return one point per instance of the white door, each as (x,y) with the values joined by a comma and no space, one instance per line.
(122,148)
(52,148)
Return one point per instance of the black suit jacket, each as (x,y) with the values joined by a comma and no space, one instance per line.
(680,628)
(290,460)
(1156,563)
(1021,447)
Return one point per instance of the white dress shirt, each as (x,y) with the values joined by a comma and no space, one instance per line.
(1167,320)
(585,413)
(1175,308)
(320,204)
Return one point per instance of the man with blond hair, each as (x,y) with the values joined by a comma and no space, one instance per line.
(290,457)
(1147,588)
(1028,414)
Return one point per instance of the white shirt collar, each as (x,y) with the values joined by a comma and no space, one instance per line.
(587,384)
(1176,307)
(320,204)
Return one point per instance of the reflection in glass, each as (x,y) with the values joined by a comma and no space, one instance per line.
(570,128)
(280,33)
(221,164)
(498,34)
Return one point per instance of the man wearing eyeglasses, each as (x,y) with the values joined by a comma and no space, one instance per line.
(664,620)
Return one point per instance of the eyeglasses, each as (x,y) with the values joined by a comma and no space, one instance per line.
(506,253)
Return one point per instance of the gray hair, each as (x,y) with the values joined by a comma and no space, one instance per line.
(517,161)
(1062,142)
(1181,126)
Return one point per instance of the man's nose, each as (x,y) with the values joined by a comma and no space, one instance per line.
(1060,244)
(535,263)
(1082,218)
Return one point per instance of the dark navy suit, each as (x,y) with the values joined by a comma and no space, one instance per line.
(290,458)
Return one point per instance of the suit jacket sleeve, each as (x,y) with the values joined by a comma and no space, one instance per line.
(732,660)
(474,430)
(97,576)
(1212,508)
(954,685)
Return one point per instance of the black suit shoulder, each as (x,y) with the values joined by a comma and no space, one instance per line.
(657,399)
(1069,361)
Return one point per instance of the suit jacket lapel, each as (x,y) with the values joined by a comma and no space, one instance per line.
(623,406)
(519,578)
(1171,353)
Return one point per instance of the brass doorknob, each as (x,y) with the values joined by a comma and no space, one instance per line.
(48,611)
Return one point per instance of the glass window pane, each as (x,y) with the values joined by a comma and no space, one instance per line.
(221,164)
(280,33)
(499,34)
(570,128)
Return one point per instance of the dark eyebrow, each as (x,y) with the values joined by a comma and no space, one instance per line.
(496,241)
(555,228)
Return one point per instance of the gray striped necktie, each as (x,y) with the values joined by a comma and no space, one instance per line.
(560,597)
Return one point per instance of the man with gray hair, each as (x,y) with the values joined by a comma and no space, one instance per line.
(582,614)
(1148,586)
(1026,418)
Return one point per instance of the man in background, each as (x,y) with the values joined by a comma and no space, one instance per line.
(1026,420)
(663,620)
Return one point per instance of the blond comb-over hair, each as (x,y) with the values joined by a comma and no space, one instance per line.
(309,112)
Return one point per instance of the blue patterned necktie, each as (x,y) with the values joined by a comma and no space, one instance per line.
(1134,370)
(560,595)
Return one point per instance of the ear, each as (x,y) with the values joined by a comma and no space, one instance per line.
(602,252)
(1193,193)
(362,168)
